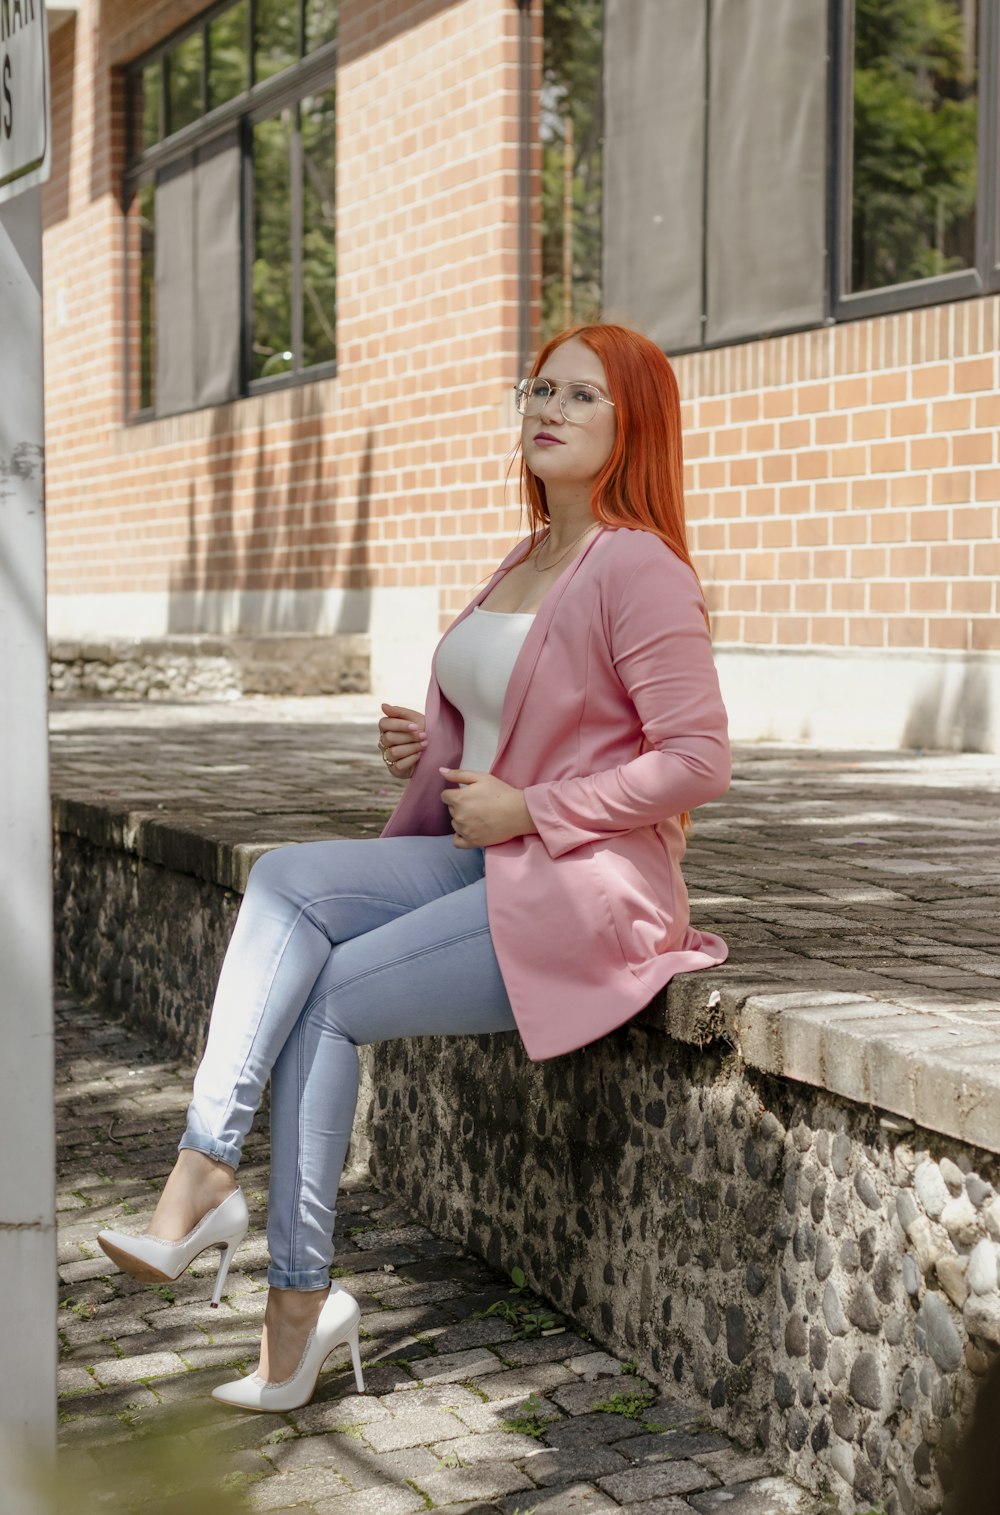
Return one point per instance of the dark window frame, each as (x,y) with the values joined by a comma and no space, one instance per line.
(962,284)
(313,73)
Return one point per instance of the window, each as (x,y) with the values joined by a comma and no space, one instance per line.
(572,134)
(913,171)
(230,206)
(769,165)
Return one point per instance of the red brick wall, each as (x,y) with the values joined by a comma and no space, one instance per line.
(391,473)
(843,484)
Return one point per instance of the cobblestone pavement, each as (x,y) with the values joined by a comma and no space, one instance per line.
(463,1413)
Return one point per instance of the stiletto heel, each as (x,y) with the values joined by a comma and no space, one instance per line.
(225,1258)
(337,1324)
(356,1360)
(155,1261)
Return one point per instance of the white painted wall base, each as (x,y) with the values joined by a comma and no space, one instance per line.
(948,701)
(402,623)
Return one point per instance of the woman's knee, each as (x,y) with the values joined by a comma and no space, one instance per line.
(273,870)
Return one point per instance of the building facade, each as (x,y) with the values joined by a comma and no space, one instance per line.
(297,254)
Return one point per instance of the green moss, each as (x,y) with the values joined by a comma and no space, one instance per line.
(631,1406)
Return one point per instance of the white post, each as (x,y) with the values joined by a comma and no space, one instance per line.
(27,1136)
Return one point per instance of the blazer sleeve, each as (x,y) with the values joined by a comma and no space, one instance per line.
(661,650)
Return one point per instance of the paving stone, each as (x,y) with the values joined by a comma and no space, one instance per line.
(489,1446)
(412,1429)
(485,1481)
(668,1506)
(547,1349)
(762,1496)
(660,1479)
(553,1467)
(577,1398)
(377,1501)
(473,1333)
(73,1379)
(129,1369)
(327,1415)
(477,1362)
(674,1444)
(518,1383)
(436,1396)
(491,1417)
(585,1430)
(594,1365)
(570,1499)
(733,1466)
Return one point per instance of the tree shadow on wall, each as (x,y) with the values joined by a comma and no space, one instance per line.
(958,720)
(264,564)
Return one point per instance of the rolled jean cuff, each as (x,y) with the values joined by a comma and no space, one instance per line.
(194,1141)
(317,1279)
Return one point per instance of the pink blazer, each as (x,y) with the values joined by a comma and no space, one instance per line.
(613,725)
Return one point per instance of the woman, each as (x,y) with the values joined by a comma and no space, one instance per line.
(529,877)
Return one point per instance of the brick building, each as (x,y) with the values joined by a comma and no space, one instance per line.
(279,376)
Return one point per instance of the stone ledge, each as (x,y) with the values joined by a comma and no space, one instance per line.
(936,1067)
(197,666)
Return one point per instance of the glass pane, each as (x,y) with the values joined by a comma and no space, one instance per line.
(276,43)
(319,248)
(321,22)
(572,132)
(915,128)
(147,296)
(228,55)
(272,251)
(184,103)
(147,107)
(139,263)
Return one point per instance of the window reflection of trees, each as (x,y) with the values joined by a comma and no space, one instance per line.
(228,55)
(145,207)
(319,248)
(276,39)
(321,23)
(184,63)
(272,252)
(572,135)
(277,240)
(915,130)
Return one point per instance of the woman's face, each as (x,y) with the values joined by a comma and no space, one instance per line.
(566,453)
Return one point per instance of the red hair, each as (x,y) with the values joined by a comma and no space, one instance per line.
(642,483)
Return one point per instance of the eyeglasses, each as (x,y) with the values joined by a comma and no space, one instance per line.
(579,402)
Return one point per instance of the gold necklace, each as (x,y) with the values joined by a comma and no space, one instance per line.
(547,566)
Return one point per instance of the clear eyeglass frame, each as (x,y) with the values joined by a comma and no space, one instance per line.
(578,401)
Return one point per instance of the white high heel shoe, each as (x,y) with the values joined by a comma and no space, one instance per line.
(338,1323)
(155,1261)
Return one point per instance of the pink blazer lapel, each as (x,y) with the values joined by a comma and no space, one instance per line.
(524,667)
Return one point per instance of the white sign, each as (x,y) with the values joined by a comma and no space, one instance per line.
(24,96)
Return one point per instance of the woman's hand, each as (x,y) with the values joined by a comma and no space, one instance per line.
(401,739)
(485,810)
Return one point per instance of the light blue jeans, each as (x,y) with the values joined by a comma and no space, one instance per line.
(337,944)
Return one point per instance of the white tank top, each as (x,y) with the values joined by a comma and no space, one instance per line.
(474,665)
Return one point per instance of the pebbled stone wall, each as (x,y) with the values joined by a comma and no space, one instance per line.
(823,1274)
(825,1277)
(209,667)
